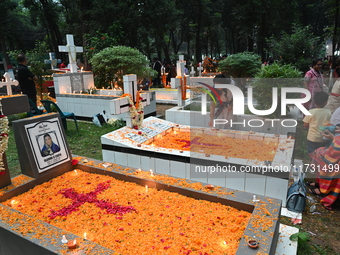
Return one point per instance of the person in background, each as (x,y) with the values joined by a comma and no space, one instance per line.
(224,111)
(63,64)
(313,82)
(318,117)
(172,74)
(325,161)
(334,97)
(26,79)
(157,66)
(335,118)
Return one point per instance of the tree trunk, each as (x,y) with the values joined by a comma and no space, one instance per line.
(198,33)
(4,51)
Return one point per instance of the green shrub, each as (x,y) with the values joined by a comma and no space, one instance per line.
(112,63)
(275,76)
(240,65)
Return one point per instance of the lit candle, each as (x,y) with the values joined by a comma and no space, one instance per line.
(64,240)
(14,202)
(151,173)
(72,244)
(146,188)
(75,171)
(85,235)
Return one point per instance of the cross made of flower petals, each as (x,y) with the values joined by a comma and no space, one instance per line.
(91,197)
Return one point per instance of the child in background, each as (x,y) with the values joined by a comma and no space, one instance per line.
(318,116)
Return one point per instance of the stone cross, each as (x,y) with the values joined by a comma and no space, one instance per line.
(192,73)
(200,69)
(53,61)
(8,83)
(72,52)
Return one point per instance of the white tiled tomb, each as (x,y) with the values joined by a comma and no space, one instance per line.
(134,148)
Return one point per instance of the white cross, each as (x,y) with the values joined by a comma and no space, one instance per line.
(200,69)
(72,52)
(53,61)
(8,83)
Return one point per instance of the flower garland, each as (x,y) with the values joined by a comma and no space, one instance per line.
(3,138)
(136,111)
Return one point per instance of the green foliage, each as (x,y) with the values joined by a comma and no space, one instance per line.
(112,63)
(116,123)
(240,65)
(296,48)
(274,76)
(100,41)
(302,238)
(278,70)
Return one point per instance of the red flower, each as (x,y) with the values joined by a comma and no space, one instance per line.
(91,48)
(135,127)
(2,116)
(130,105)
(4,134)
(103,37)
(2,172)
(74,162)
(140,132)
(140,98)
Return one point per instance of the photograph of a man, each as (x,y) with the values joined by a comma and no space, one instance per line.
(49,146)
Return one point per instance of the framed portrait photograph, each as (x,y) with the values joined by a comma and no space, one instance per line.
(47,143)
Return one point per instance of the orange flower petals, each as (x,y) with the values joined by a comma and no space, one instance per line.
(163,223)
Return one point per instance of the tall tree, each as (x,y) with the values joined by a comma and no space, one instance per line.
(46,12)
(7,7)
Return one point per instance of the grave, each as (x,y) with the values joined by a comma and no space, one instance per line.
(111,106)
(135,148)
(10,105)
(74,92)
(46,238)
(191,115)
(174,93)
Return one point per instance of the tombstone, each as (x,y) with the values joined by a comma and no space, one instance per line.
(53,61)
(41,145)
(72,52)
(10,106)
(72,82)
(200,69)
(8,83)
(192,73)
(130,87)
